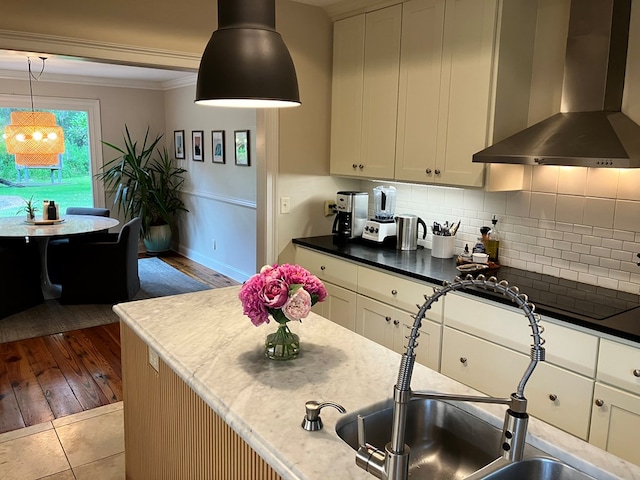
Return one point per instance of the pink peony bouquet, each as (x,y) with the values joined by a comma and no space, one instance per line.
(286,292)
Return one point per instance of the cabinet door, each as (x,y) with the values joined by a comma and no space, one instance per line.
(619,365)
(346,103)
(378,322)
(419,90)
(428,350)
(615,422)
(339,306)
(380,92)
(467,62)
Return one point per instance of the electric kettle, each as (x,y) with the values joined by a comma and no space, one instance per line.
(407,231)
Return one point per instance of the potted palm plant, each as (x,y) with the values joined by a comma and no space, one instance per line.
(146,183)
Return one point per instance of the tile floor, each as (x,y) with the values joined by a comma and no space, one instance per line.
(85,446)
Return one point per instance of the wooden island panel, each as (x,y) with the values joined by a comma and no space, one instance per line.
(170,432)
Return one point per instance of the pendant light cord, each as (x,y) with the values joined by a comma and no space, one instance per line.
(32,76)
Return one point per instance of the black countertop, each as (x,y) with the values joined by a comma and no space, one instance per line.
(601,309)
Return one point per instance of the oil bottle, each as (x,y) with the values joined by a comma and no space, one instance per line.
(492,244)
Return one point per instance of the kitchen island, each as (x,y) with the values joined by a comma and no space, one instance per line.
(206,345)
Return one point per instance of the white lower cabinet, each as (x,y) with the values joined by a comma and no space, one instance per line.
(557,396)
(339,306)
(588,386)
(390,326)
(615,422)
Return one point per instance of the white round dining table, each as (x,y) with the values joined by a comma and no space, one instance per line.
(69,225)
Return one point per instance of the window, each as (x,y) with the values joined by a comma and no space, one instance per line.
(70,183)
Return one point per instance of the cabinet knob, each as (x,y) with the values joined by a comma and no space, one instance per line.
(396,322)
(599,402)
(354,166)
(394,292)
(428,171)
(463,360)
(636,372)
(322,267)
(361,167)
(553,397)
(387,319)
(437,172)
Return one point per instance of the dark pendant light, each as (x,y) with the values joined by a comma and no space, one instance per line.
(246,63)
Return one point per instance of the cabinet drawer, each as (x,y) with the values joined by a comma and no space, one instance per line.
(328,268)
(508,326)
(619,365)
(396,291)
(496,371)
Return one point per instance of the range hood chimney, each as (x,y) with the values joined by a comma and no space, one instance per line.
(591,131)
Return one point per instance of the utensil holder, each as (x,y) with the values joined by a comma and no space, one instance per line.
(442,246)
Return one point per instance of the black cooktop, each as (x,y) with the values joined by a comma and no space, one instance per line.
(597,308)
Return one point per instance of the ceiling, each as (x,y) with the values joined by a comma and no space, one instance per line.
(13,64)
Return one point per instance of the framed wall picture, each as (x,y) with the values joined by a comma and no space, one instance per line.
(243,157)
(217,146)
(197,137)
(178,144)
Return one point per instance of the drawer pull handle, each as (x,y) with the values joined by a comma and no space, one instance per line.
(463,360)
(388,319)
(599,402)
(636,372)
(394,292)
(553,397)
(396,322)
(322,267)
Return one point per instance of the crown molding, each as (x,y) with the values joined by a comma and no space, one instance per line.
(98,50)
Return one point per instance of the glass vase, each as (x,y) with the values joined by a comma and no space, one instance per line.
(282,345)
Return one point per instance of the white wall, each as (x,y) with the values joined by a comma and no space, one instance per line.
(221,198)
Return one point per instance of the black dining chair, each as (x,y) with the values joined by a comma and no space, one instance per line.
(20,285)
(105,271)
(58,247)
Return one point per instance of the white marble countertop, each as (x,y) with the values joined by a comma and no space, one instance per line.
(215,349)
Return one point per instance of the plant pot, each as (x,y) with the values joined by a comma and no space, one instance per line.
(158,239)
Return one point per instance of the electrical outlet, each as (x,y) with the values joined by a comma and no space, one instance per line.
(329,208)
(285,205)
(154,360)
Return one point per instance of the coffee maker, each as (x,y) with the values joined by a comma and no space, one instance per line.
(351,215)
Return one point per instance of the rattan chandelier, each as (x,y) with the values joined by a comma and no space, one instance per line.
(34,137)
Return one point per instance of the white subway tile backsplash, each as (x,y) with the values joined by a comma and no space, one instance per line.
(571,256)
(602,182)
(583,229)
(543,206)
(627,216)
(570,225)
(599,212)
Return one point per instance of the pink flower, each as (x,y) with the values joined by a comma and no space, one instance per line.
(275,293)
(298,306)
(283,292)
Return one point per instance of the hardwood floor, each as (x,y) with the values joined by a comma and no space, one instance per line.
(49,377)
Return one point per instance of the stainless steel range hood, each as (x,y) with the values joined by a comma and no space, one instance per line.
(591,131)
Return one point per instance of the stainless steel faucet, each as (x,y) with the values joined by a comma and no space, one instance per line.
(392,463)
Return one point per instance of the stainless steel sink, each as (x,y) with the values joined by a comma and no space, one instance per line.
(448,443)
(541,468)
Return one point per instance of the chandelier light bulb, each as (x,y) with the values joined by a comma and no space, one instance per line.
(21,137)
(52,136)
(37,136)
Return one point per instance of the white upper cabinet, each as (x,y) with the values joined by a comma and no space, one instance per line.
(462,79)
